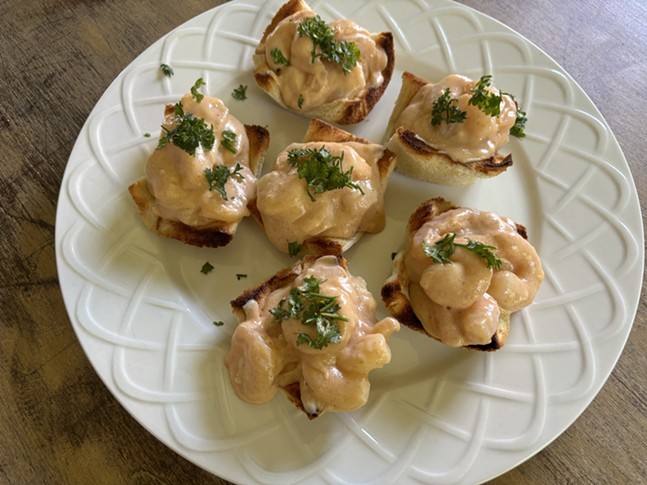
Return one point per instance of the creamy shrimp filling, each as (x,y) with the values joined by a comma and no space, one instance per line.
(267,353)
(478,137)
(306,83)
(461,301)
(179,179)
(292,210)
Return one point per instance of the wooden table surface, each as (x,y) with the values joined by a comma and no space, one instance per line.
(59,424)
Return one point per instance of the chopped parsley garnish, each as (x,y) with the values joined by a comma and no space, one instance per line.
(488,102)
(321,170)
(313,309)
(228,141)
(218,175)
(167,70)
(240,276)
(218,323)
(294,248)
(324,45)
(278,57)
(147,135)
(518,129)
(189,133)
(240,93)
(197,95)
(443,249)
(485,100)
(445,109)
(300,101)
(206,268)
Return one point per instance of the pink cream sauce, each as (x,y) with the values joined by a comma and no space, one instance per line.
(290,215)
(460,302)
(264,354)
(479,137)
(177,179)
(319,82)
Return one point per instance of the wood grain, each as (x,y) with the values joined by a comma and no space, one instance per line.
(59,424)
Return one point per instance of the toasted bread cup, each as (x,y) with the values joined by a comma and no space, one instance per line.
(395,290)
(341,111)
(369,349)
(215,234)
(320,131)
(259,294)
(418,159)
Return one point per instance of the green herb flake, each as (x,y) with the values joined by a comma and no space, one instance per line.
(240,276)
(444,248)
(445,110)
(218,175)
(300,101)
(240,93)
(147,135)
(518,129)
(229,141)
(218,323)
(344,53)
(178,110)
(207,268)
(189,133)
(485,100)
(321,170)
(294,248)
(197,95)
(313,309)
(167,70)
(278,57)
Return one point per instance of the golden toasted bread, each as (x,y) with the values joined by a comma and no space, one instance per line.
(419,160)
(342,111)
(216,234)
(319,130)
(395,290)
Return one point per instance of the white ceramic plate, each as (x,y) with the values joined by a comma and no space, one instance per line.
(143,311)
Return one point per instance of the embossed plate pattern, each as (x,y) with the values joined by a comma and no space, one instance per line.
(143,312)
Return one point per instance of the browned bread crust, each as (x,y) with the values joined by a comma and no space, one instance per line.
(395,290)
(342,111)
(419,160)
(260,292)
(319,130)
(216,234)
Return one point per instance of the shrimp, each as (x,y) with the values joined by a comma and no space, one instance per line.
(516,283)
(472,325)
(457,284)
